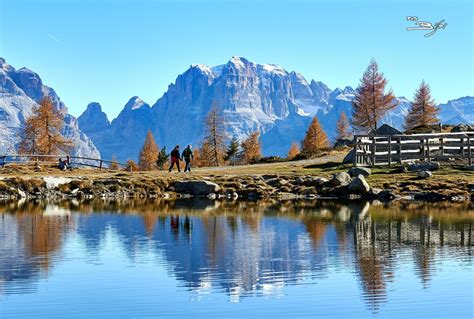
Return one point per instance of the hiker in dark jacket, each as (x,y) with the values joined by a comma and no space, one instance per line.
(175,158)
(187,156)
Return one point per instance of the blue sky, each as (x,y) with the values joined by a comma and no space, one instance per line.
(108,51)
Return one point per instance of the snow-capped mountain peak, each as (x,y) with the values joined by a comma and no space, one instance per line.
(135,103)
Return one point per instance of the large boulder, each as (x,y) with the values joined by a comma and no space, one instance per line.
(196,187)
(425,174)
(359,185)
(424,166)
(340,179)
(356,171)
(277,182)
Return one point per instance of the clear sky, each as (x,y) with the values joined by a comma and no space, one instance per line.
(108,51)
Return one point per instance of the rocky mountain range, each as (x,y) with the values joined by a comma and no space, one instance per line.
(250,96)
(20,91)
(263,97)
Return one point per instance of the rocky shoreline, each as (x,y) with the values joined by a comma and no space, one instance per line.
(347,185)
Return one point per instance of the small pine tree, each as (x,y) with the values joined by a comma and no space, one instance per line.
(205,155)
(232,150)
(42,131)
(342,127)
(163,158)
(197,160)
(251,148)
(132,166)
(29,137)
(423,110)
(370,102)
(113,163)
(294,151)
(315,140)
(149,153)
(215,135)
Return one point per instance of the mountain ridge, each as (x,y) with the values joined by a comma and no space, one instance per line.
(251,97)
(20,91)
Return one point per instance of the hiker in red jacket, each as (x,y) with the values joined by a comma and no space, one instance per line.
(175,158)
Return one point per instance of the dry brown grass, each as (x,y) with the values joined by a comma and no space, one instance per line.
(451,179)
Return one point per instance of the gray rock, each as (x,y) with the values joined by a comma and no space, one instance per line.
(299,181)
(425,174)
(359,185)
(356,171)
(277,182)
(320,181)
(21,193)
(196,187)
(340,179)
(425,166)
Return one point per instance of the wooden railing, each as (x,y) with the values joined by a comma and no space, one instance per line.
(370,150)
(75,161)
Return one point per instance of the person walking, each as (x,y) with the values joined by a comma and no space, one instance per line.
(175,158)
(187,156)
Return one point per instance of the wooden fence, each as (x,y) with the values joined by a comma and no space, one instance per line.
(75,161)
(370,150)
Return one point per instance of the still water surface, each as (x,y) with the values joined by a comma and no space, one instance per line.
(202,259)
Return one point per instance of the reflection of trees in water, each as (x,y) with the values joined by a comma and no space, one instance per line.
(31,240)
(370,263)
(245,246)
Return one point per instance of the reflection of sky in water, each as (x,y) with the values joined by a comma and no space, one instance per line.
(223,262)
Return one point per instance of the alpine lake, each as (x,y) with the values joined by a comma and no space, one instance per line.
(200,258)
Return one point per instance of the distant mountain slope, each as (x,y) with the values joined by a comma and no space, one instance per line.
(251,96)
(124,136)
(20,91)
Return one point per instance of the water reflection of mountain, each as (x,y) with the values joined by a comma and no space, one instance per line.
(245,248)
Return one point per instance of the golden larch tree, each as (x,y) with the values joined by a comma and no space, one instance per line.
(42,131)
(204,155)
(148,153)
(131,166)
(423,110)
(343,127)
(113,163)
(315,140)
(371,102)
(294,151)
(215,136)
(251,148)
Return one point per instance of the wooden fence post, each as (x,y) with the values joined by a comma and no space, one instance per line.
(389,151)
(399,141)
(469,152)
(100,164)
(355,151)
(428,148)
(442,146)
(462,148)
(374,147)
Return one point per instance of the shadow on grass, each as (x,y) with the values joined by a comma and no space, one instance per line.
(327,165)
